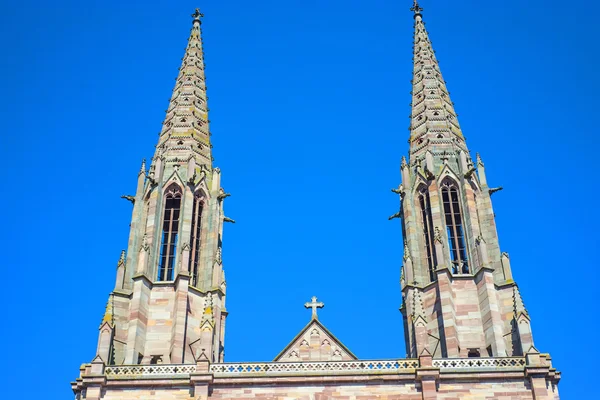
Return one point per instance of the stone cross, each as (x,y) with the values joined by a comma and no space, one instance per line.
(197,14)
(314,305)
(416,8)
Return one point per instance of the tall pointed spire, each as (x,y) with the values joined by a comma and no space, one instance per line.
(434,122)
(176,234)
(185,132)
(449,228)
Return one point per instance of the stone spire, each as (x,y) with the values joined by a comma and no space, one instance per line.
(176,234)
(434,123)
(450,232)
(185,132)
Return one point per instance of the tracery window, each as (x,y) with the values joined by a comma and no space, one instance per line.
(428,232)
(454,228)
(170,231)
(195,237)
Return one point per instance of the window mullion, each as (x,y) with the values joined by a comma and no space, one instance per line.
(429,231)
(195,233)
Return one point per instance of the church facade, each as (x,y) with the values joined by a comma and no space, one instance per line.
(467,331)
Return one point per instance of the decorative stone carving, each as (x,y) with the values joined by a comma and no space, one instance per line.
(397,215)
(314,304)
(406,250)
(129,198)
(399,190)
(121,261)
(144,246)
(222,195)
(218,256)
(437,236)
(494,190)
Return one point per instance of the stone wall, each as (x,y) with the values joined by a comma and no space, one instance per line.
(507,378)
(515,389)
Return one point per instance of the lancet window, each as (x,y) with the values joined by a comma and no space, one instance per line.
(170,232)
(476,257)
(427,229)
(454,227)
(195,237)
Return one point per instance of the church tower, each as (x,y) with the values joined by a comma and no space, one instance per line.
(459,296)
(168,303)
(467,330)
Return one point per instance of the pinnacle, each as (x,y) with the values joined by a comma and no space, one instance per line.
(478,157)
(121,259)
(518,302)
(108,312)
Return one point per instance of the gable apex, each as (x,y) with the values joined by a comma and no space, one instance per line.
(315,343)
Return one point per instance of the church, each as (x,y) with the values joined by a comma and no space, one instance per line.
(467,331)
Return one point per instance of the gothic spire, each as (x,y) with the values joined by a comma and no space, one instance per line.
(434,122)
(185,133)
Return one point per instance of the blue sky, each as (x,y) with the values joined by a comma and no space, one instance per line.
(309,104)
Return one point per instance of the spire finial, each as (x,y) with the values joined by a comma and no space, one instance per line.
(197,15)
(416,8)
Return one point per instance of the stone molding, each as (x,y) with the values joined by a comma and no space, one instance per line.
(426,370)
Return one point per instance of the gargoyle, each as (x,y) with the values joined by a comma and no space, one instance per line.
(397,215)
(192,179)
(222,195)
(399,190)
(128,197)
(428,174)
(226,219)
(469,172)
(151,179)
(494,190)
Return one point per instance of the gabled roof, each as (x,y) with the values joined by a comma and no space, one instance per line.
(315,343)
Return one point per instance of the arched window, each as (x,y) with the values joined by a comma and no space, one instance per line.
(170,231)
(195,237)
(454,228)
(427,226)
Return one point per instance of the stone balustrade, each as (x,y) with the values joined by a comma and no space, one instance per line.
(500,363)
(359,367)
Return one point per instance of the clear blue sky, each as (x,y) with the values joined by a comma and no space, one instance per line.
(309,104)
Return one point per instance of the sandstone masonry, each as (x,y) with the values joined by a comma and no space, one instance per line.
(468,333)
